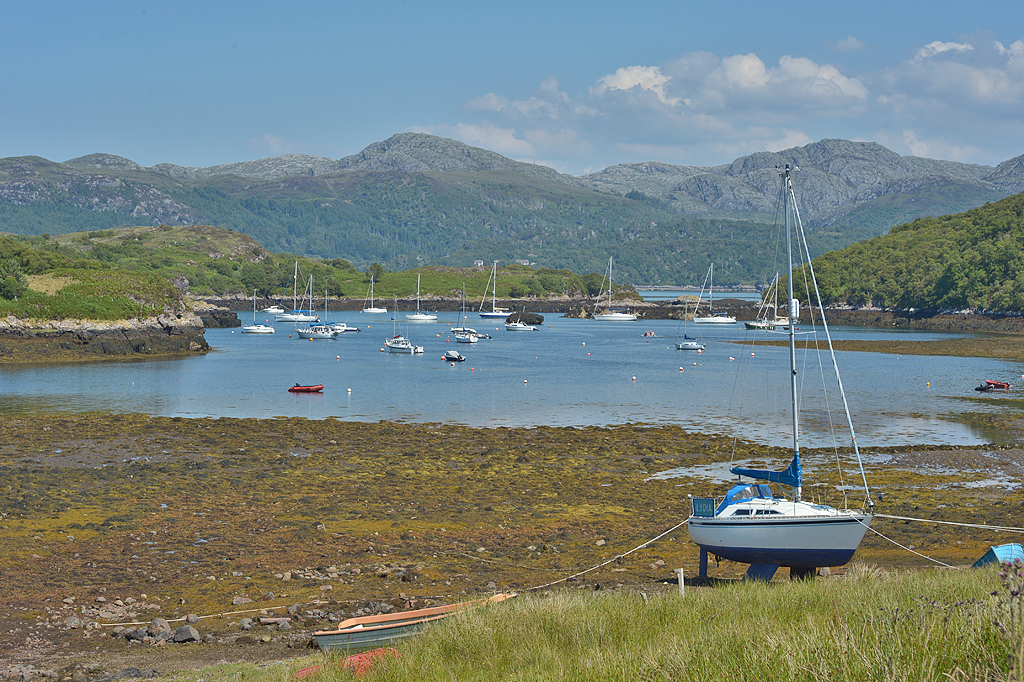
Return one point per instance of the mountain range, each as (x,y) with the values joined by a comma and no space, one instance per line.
(417,199)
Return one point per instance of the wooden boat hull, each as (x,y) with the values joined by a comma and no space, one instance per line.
(370,632)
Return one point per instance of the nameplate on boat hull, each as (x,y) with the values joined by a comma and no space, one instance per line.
(704,507)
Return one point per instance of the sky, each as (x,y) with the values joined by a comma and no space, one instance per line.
(574,86)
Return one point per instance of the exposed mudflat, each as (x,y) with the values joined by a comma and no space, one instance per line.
(112,519)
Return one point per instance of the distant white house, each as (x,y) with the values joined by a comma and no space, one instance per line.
(523,261)
(478,264)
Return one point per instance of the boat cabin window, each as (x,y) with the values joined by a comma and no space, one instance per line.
(739,493)
(749,492)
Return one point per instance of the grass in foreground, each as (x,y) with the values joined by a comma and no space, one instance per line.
(867,625)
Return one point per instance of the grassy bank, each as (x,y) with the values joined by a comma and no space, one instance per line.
(867,625)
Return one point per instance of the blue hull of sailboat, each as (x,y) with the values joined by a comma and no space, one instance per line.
(798,558)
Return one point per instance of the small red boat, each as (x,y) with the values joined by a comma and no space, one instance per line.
(990,384)
(299,388)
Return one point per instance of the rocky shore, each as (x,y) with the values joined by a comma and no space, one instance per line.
(76,340)
(118,530)
(742,310)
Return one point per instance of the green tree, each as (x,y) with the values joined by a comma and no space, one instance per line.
(376,271)
(13,283)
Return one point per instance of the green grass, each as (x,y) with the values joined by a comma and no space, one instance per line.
(98,295)
(866,625)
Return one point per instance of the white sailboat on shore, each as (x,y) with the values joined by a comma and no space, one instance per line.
(751,525)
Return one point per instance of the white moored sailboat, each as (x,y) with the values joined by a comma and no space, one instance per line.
(372,309)
(751,525)
(398,343)
(256,328)
(495,312)
(419,316)
(297,315)
(613,314)
(712,317)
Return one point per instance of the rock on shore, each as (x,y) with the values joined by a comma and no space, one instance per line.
(73,340)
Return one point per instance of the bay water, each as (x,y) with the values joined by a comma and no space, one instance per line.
(570,372)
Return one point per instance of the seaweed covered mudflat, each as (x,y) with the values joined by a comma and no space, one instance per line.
(108,521)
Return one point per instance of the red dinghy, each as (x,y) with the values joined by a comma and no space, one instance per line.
(990,384)
(298,388)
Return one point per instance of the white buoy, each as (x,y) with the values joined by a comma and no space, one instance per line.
(524,381)
(350,390)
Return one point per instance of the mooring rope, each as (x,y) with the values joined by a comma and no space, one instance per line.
(1005,529)
(605,563)
(903,546)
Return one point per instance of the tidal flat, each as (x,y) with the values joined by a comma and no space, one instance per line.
(174,516)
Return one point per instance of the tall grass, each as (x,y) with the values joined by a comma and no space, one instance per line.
(865,626)
(964,626)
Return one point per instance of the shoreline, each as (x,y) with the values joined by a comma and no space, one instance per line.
(66,341)
(209,516)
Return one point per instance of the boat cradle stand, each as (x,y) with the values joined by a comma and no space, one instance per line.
(760,572)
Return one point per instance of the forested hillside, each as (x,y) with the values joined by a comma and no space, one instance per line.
(127,272)
(972,260)
(417,200)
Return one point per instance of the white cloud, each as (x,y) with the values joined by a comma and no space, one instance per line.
(937,148)
(938,47)
(648,78)
(849,44)
(956,100)
(489,102)
(486,135)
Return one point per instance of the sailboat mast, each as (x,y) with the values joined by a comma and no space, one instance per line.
(788,191)
(295,285)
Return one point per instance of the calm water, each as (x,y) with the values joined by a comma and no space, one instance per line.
(670,294)
(570,373)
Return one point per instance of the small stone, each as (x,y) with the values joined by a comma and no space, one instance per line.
(238,601)
(191,619)
(600,543)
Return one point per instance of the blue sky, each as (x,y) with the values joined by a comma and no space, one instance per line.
(576,86)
